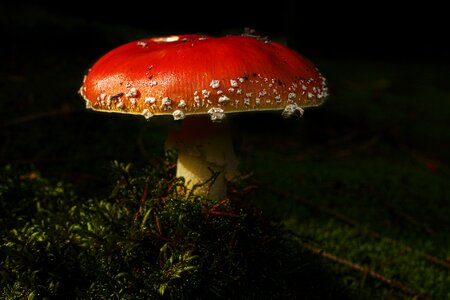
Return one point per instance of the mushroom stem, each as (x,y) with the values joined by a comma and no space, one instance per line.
(204,149)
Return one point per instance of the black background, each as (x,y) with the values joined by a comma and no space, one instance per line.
(369,29)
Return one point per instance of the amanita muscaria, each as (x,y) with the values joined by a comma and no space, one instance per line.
(200,79)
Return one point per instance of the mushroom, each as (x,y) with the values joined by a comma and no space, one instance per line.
(200,79)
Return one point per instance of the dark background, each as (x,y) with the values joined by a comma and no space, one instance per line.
(369,29)
(48,47)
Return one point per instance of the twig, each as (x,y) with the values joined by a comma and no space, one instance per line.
(215,210)
(208,182)
(312,205)
(366,271)
(367,136)
(225,214)
(141,202)
(158,223)
(232,241)
(433,259)
(374,234)
(409,219)
(420,157)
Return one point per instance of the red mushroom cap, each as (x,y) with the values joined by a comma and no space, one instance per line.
(197,74)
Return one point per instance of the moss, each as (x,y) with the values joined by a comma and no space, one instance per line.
(148,239)
(385,216)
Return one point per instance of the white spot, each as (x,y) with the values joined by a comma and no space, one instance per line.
(147,114)
(241,79)
(231,90)
(214,84)
(195,93)
(304,87)
(197,101)
(219,92)
(178,115)
(150,100)
(262,93)
(248,95)
(257,101)
(310,95)
(223,99)
(278,98)
(292,110)
(246,101)
(132,101)
(88,105)
(166,101)
(182,104)
(206,93)
(153,83)
(119,103)
(238,91)
(268,101)
(292,96)
(102,98)
(233,83)
(166,39)
(275,91)
(217,114)
(128,85)
(142,44)
(132,92)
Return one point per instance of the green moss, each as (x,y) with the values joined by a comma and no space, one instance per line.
(395,215)
(147,239)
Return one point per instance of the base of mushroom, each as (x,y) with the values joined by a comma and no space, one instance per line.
(205,155)
(205,178)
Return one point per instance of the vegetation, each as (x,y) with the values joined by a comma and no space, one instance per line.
(148,239)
